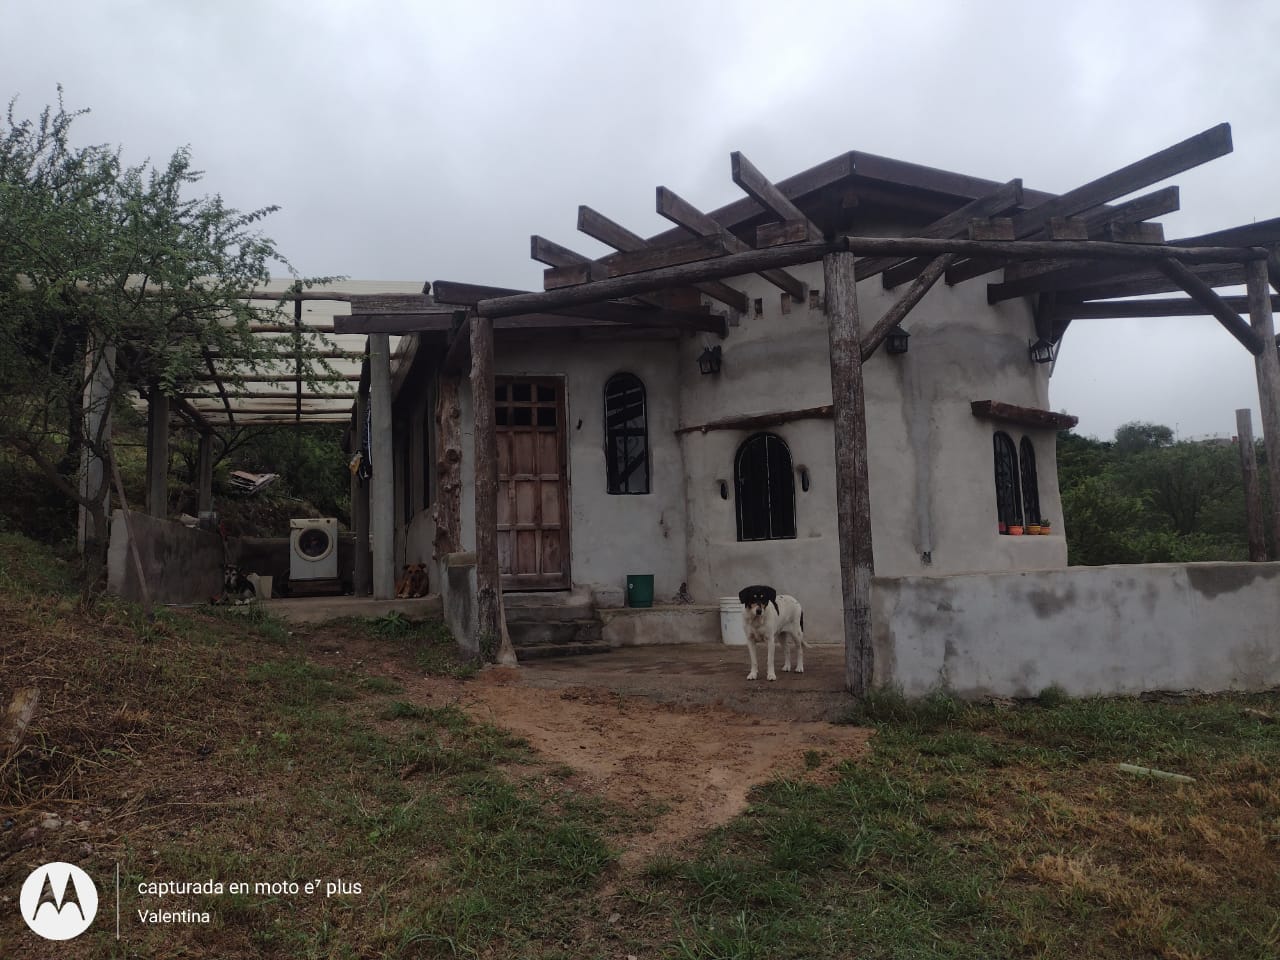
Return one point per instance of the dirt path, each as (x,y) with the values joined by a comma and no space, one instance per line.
(654,731)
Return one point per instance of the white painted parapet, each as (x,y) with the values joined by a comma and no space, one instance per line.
(1089,630)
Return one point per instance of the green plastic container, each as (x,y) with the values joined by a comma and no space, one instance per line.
(639,590)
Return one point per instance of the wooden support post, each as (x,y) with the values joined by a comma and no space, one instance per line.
(382,488)
(360,490)
(489,625)
(447,511)
(204,473)
(1252,493)
(1267,367)
(157,454)
(853,504)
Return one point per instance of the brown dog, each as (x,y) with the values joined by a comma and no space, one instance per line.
(413,582)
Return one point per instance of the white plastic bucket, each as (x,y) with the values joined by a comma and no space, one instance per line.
(732,631)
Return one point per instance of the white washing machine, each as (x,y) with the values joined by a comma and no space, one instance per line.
(313,549)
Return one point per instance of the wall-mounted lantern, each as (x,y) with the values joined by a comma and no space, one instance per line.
(896,341)
(709,361)
(1042,351)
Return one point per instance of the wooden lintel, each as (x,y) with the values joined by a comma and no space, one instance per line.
(569,275)
(995,228)
(759,421)
(1023,416)
(781,232)
(760,188)
(1064,228)
(391,303)
(678,210)
(1203,294)
(1135,232)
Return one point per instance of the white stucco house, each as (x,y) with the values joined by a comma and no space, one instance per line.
(619,456)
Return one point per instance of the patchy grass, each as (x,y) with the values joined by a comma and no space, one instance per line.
(211,745)
(984,830)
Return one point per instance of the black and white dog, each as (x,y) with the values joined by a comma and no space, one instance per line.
(767,616)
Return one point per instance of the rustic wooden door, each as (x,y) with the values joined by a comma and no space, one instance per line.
(533,483)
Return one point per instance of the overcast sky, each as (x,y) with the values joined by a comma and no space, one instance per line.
(428,140)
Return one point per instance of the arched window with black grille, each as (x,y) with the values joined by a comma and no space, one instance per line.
(1030,485)
(766,489)
(1008,501)
(626,435)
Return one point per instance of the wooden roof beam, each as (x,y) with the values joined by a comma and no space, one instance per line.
(1189,153)
(761,189)
(267,395)
(955,224)
(469,294)
(1171,307)
(901,247)
(680,211)
(600,227)
(636,261)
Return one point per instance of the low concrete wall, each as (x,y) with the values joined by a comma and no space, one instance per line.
(634,627)
(456,576)
(181,564)
(269,556)
(1089,630)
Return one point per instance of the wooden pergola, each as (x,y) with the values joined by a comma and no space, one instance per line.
(1075,254)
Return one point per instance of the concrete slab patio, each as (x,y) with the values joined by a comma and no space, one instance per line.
(703,674)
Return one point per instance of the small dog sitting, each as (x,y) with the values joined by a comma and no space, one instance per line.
(238,587)
(767,616)
(413,582)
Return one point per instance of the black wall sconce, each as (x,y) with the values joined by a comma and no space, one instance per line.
(896,340)
(709,361)
(1042,351)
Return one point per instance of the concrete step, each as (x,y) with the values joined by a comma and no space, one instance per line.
(548,607)
(540,633)
(547,650)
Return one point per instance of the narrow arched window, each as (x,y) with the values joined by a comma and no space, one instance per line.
(1008,502)
(626,435)
(766,489)
(1030,486)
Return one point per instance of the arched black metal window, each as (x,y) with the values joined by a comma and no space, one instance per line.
(1008,501)
(626,435)
(766,489)
(1030,485)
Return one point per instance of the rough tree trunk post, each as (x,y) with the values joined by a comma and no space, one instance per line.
(96,433)
(853,504)
(490,623)
(447,511)
(362,574)
(157,453)
(1252,492)
(382,487)
(1267,366)
(204,474)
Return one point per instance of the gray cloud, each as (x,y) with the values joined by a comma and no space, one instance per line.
(427,140)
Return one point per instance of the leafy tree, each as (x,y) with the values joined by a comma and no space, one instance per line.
(115,270)
(1148,499)
(1137,435)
